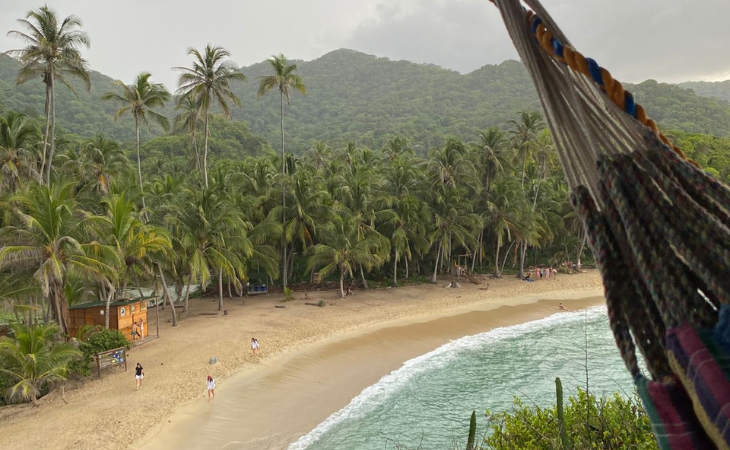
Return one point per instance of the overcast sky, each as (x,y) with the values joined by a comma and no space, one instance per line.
(667,40)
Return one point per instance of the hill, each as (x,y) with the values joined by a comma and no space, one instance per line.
(362,98)
(717,89)
(85,115)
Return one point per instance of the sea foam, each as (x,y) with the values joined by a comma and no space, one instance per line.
(380,392)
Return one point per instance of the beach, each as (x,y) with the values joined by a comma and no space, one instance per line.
(313,361)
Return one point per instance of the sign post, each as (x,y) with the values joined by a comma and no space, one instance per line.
(111,358)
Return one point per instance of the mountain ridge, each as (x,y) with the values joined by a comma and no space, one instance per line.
(353,96)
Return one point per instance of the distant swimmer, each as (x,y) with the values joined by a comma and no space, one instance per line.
(562,307)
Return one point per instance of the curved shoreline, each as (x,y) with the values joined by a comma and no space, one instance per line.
(176,364)
(274,407)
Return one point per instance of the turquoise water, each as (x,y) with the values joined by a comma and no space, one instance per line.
(428,400)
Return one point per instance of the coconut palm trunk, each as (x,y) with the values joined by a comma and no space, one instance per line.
(205,150)
(395,269)
(49,163)
(48,130)
(362,276)
(497,273)
(220,288)
(139,168)
(285,272)
(187,293)
(166,294)
(436,266)
(342,282)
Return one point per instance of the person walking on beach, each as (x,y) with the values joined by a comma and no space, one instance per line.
(139,375)
(211,387)
(254,345)
(140,329)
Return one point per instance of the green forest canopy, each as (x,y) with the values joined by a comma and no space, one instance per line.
(364,99)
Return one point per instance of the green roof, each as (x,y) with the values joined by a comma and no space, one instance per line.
(118,303)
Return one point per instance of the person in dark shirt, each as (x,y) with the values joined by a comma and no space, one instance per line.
(139,375)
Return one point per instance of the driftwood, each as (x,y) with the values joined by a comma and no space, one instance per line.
(208,314)
(315,304)
(279,306)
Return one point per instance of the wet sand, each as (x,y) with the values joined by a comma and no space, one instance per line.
(108,413)
(274,407)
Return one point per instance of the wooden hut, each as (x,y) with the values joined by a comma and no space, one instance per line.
(121,316)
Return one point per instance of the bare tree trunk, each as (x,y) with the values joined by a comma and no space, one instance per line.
(497,272)
(506,255)
(362,276)
(49,163)
(395,270)
(436,266)
(166,294)
(342,283)
(108,303)
(220,289)
(187,293)
(523,251)
(125,282)
(136,281)
(48,129)
(205,151)
(406,267)
(285,278)
(229,289)
(139,171)
(580,250)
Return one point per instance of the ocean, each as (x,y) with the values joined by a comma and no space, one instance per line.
(427,403)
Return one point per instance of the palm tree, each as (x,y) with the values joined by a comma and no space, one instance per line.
(403,225)
(103,161)
(307,211)
(450,163)
(490,155)
(51,52)
(214,236)
(189,118)
(453,223)
(51,241)
(503,219)
(17,136)
(139,99)
(319,154)
(524,135)
(343,250)
(33,360)
(133,240)
(285,79)
(206,83)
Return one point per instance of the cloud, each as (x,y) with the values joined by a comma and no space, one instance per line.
(460,34)
(669,41)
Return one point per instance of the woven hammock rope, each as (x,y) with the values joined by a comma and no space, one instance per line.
(657,225)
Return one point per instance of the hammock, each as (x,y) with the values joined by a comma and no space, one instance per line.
(657,225)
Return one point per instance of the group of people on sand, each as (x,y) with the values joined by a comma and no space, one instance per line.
(542,274)
(139,370)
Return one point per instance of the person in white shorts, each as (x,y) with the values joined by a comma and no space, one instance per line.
(139,375)
(254,345)
(211,387)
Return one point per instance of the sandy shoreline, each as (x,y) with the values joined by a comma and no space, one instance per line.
(300,344)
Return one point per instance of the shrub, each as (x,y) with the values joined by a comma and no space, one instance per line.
(591,423)
(97,342)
